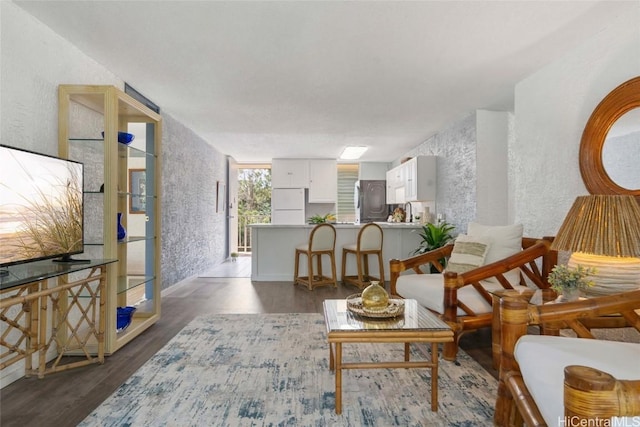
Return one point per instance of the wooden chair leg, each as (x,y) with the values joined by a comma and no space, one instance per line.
(319,265)
(310,270)
(380,267)
(296,268)
(344,265)
(359,272)
(365,267)
(450,349)
(332,255)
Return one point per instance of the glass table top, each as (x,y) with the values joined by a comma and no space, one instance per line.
(415,317)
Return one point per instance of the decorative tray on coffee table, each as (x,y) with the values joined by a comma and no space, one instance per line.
(394,309)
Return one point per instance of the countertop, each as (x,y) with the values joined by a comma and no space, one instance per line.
(342,225)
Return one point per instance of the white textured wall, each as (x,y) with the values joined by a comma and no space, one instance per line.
(33,62)
(455,147)
(543,136)
(492,142)
(193,234)
(552,107)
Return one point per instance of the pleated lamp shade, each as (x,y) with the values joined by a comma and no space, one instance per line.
(601,225)
(603,232)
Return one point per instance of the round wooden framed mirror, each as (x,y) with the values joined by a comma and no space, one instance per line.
(621,100)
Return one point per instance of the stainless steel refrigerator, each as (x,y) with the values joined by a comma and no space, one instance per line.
(370,198)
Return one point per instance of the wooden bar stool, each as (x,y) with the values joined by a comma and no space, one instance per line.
(322,241)
(369,243)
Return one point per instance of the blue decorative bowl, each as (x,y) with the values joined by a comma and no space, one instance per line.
(124,137)
(124,316)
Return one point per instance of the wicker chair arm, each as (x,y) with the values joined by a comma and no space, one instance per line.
(532,250)
(517,315)
(397,266)
(590,394)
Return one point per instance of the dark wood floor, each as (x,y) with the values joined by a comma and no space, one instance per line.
(66,398)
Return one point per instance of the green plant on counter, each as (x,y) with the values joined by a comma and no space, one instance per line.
(321,219)
(434,236)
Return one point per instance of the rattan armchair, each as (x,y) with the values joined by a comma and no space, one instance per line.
(534,262)
(589,393)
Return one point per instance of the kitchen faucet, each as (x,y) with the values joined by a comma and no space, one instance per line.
(410,211)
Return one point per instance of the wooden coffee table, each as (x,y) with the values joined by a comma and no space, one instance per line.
(416,325)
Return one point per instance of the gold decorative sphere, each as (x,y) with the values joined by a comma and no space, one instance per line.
(375,297)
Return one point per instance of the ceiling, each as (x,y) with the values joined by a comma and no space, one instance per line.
(304,79)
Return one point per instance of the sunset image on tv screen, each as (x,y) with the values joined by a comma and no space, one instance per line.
(40,206)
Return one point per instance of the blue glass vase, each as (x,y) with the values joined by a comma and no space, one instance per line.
(122,233)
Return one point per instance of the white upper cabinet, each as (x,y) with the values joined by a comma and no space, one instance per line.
(412,181)
(323,181)
(391,189)
(420,179)
(289,173)
(396,181)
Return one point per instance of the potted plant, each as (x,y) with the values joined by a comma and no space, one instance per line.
(435,236)
(569,282)
(321,219)
(234,256)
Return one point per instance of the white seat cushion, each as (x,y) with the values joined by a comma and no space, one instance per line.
(428,291)
(542,360)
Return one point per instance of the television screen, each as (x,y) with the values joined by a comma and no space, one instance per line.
(41,207)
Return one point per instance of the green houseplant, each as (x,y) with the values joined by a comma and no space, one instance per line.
(569,282)
(321,219)
(435,236)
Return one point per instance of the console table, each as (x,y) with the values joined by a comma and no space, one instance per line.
(77,319)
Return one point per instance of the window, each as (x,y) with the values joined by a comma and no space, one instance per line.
(347,177)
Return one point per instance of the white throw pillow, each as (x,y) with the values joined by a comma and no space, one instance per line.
(505,240)
(468,253)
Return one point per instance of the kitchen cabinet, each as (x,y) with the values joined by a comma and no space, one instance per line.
(323,181)
(121,181)
(287,206)
(420,179)
(412,181)
(391,189)
(289,173)
(396,185)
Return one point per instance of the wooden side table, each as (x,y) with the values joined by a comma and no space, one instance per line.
(540,296)
(77,326)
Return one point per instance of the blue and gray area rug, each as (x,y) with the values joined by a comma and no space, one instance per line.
(273,370)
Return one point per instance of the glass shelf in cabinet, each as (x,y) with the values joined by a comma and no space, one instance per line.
(127,283)
(127,193)
(86,139)
(131,239)
(130,151)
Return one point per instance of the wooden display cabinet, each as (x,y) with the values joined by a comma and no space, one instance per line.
(119,178)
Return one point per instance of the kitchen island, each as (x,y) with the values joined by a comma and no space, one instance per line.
(273,248)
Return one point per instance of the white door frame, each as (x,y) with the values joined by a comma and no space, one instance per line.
(232,198)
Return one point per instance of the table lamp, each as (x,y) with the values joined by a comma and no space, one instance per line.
(603,232)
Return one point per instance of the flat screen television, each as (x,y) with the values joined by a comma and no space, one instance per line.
(41,207)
